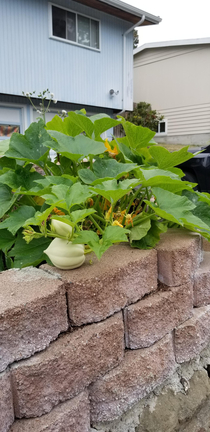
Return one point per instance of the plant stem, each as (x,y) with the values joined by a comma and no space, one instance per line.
(87,251)
(132,199)
(138,221)
(99,218)
(95,223)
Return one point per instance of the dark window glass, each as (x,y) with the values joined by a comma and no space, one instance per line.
(83,30)
(162,127)
(94,34)
(59,22)
(71,26)
(75,28)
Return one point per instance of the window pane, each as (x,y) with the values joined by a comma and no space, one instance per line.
(162,127)
(94,39)
(71,26)
(83,30)
(8,130)
(59,22)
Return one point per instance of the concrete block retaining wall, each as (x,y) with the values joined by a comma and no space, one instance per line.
(81,349)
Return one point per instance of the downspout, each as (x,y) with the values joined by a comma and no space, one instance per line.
(138,24)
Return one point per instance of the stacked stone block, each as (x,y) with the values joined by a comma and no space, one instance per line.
(83,346)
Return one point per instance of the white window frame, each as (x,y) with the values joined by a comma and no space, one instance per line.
(23,117)
(166,128)
(69,41)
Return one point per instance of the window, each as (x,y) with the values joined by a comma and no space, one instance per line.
(6,130)
(75,28)
(162,127)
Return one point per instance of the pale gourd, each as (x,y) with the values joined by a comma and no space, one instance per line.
(65,255)
(61,228)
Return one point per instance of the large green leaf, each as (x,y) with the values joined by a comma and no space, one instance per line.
(166,159)
(72,125)
(85,237)
(29,254)
(115,234)
(83,123)
(7,162)
(54,180)
(59,125)
(6,240)
(139,231)
(171,206)
(77,147)
(31,146)
(68,196)
(113,190)
(7,199)
(79,215)
(164,179)
(103,124)
(137,136)
(156,172)
(123,146)
(4,146)
(17,219)
(22,177)
(105,169)
(177,209)
(93,241)
(152,237)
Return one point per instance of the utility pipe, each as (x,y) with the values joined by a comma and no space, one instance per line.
(138,24)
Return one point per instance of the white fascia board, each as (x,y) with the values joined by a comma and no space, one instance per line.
(131,9)
(181,42)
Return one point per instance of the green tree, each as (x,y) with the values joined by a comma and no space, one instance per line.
(135,39)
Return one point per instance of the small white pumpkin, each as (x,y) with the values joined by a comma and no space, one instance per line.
(65,255)
(61,228)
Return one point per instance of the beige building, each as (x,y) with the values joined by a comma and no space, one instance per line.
(174,77)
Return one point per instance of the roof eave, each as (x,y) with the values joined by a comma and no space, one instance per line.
(122,10)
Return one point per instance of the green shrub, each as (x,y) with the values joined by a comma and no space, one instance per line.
(143,115)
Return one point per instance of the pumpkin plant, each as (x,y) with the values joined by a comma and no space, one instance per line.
(95,193)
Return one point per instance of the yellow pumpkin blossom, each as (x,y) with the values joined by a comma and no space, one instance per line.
(108,214)
(58,212)
(112,151)
(116,223)
(119,216)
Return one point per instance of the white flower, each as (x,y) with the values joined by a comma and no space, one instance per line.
(55,101)
(64,112)
(38,111)
(27,94)
(52,95)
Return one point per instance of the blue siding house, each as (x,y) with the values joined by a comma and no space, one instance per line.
(81,50)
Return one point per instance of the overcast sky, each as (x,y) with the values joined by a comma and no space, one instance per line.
(181,19)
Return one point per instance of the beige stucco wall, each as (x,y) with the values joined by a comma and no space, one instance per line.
(176,81)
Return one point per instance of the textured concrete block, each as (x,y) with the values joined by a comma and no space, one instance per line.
(138,374)
(67,367)
(33,312)
(179,255)
(158,314)
(171,409)
(70,416)
(202,282)
(121,277)
(193,335)
(6,404)
(205,245)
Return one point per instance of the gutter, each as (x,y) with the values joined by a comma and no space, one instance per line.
(138,24)
(153,19)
